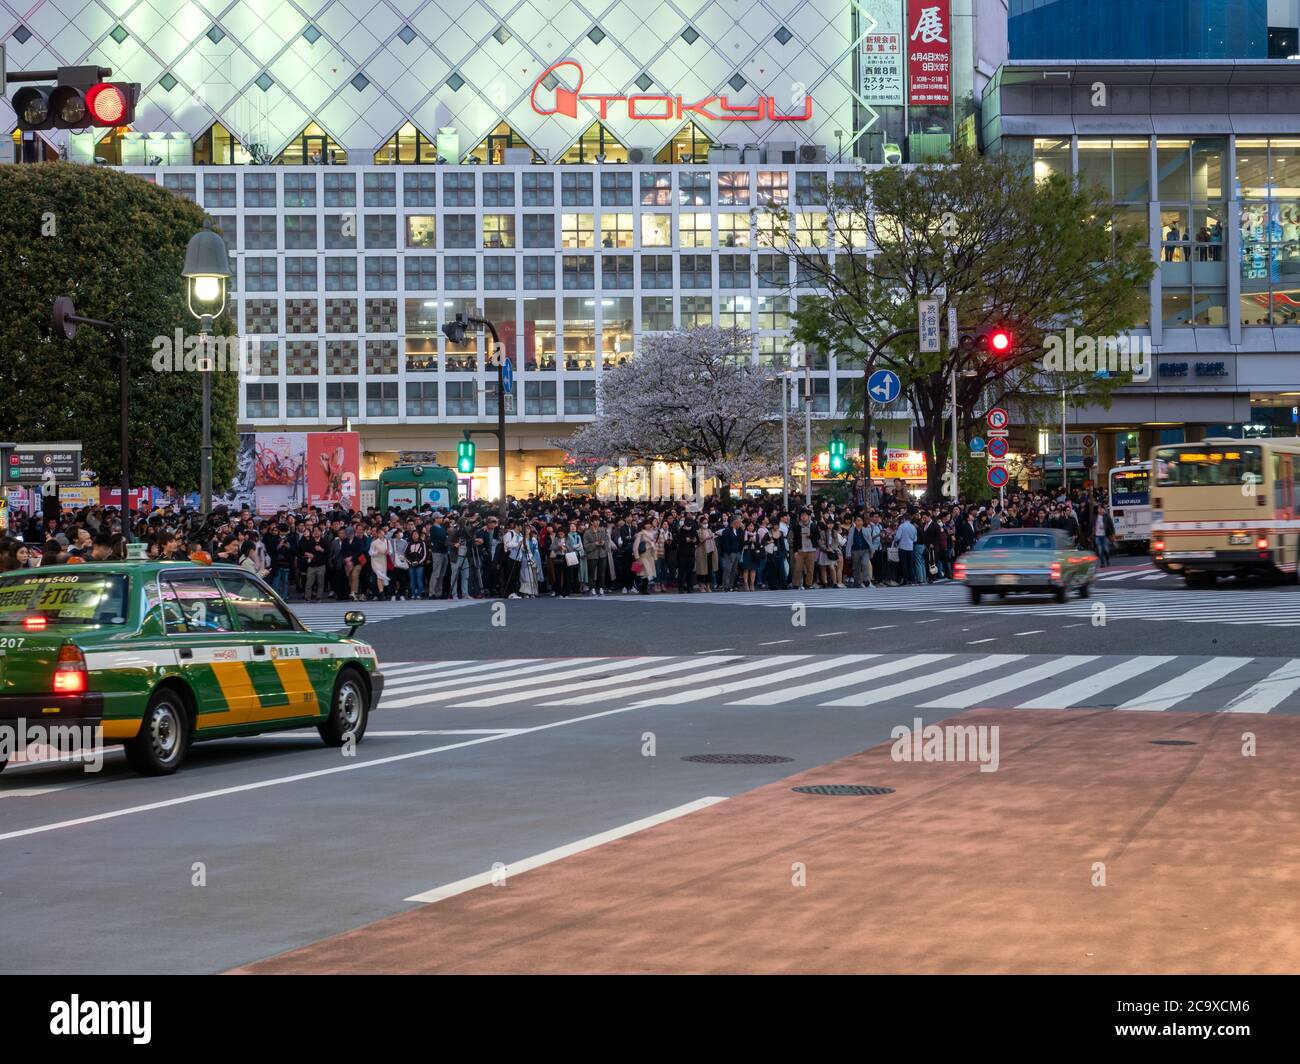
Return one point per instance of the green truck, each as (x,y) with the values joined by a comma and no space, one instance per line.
(158,655)
(409,487)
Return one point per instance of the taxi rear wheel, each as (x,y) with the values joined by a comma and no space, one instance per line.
(349,711)
(160,747)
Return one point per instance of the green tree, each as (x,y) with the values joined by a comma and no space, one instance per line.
(115,245)
(1037,257)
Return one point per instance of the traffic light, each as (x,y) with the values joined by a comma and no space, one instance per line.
(995,340)
(838,462)
(465,456)
(77,100)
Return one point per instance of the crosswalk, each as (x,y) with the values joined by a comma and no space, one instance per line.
(328,616)
(954,682)
(1279,609)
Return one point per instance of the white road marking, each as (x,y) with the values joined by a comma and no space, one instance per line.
(1269,692)
(538,687)
(465,673)
(720,650)
(774,698)
(1084,690)
(743,685)
(921,683)
(774,642)
(657,685)
(983,692)
(930,620)
(975,642)
(402,668)
(823,635)
(1153,576)
(448,694)
(881,627)
(483,879)
(1174,691)
(1032,631)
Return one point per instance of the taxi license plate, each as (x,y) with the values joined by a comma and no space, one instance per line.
(1239,539)
(1190,554)
(1006,578)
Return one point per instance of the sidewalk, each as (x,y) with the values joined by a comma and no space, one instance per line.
(958,871)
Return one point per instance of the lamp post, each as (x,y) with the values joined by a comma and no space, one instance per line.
(64,324)
(455,332)
(207,268)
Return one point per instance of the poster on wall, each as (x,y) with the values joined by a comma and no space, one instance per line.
(333,469)
(243,486)
(929,53)
(280,470)
(881,65)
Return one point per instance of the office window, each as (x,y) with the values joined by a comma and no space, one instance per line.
(458,231)
(300,190)
(498,190)
(381,399)
(579,333)
(539,273)
(340,190)
(539,397)
(615,331)
(773,271)
(499,273)
(262,400)
(260,232)
(259,190)
(300,315)
(821,395)
(341,358)
(421,231)
(734,312)
(340,232)
(340,314)
(656,271)
(261,316)
(697,312)
(810,229)
(539,190)
(656,230)
(340,274)
(462,397)
(656,188)
(458,273)
(182,185)
(381,315)
(693,188)
(774,312)
(697,271)
(539,341)
(615,271)
(302,399)
(733,188)
(695,230)
(850,229)
(228,226)
(616,230)
(810,189)
(1051,156)
(577,230)
(219,190)
(773,187)
(490,401)
(733,271)
(260,273)
(579,271)
(579,397)
(421,398)
(381,230)
(300,274)
(302,358)
(657,313)
(575,190)
(539,230)
(421,273)
(341,399)
(616,189)
(458,190)
(380,190)
(381,273)
(733,229)
(498,230)
(418,190)
(300,232)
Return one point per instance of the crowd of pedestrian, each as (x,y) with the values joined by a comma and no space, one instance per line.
(572,545)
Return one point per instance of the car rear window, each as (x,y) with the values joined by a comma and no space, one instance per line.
(1020,542)
(65,598)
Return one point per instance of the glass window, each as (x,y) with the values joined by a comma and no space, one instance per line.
(810,229)
(499,190)
(262,400)
(341,399)
(259,190)
(656,230)
(695,230)
(253,605)
(539,230)
(733,188)
(499,273)
(774,312)
(219,191)
(810,188)
(539,190)
(381,230)
(539,273)
(773,271)
(195,605)
(300,274)
(1132,170)
(421,231)
(773,187)
(579,271)
(539,333)
(418,190)
(381,273)
(579,333)
(421,398)
(340,274)
(733,229)
(300,232)
(260,273)
(340,231)
(615,331)
(578,230)
(381,399)
(693,188)
(458,272)
(458,231)
(616,271)
(462,397)
(1051,156)
(656,188)
(575,190)
(697,312)
(696,271)
(733,271)
(657,312)
(656,271)
(421,273)
(734,312)
(302,399)
(1095,165)
(579,397)
(260,232)
(381,190)
(616,189)
(340,190)
(458,190)
(1173,168)
(539,397)
(616,229)
(498,230)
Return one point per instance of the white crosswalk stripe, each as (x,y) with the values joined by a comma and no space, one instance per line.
(950,682)
(328,616)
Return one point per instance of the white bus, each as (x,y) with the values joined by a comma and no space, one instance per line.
(1130,505)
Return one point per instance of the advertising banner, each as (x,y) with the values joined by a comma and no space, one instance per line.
(243,487)
(78,496)
(929,53)
(280,470)
(140,499)
(899,464)
(333,469)
(881,65)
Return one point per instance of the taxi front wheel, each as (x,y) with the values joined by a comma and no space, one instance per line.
(348,713)
(164,737)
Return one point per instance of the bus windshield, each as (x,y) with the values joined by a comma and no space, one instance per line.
(1129,487)
(1207,465)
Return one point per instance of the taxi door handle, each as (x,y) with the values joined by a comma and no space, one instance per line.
(259,650)
(185,652)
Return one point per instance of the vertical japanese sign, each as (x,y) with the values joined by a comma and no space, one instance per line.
(333,469)
(882,52)
(928,314)
(929,52)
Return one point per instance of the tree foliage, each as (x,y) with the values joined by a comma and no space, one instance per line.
(115,244)
(1005,250)
(694,397)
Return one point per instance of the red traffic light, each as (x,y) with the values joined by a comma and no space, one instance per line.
(1000,341)
(107,104)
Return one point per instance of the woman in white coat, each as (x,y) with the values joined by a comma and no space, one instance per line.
(379,563)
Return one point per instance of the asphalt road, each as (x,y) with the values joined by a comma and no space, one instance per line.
(494,744)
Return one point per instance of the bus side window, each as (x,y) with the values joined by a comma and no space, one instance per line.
(1282,482)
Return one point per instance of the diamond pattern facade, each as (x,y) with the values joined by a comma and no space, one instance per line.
(266,68)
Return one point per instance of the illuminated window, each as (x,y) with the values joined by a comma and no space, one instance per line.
(492,149)
(774,187)
(539,335)
(771,229)
(656,188)
(498,230)
(406,147)
(695,230)
(596,145)
(693,188)
(616,230)
(734,312)
(1051,156)
(656,230)
(850,229)
(690,144)
(810,229)
(421,231)
(216,147)
(733,188)
(578,230)
(697,312)
(312,147)
(733,229)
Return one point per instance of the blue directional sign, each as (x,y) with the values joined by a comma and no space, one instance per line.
(977,444)
(883,386)
(507,375)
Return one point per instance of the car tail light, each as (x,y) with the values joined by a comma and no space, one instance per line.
(1056,570)
(70,671)
(1261,543)
(1157,544)
(36,623)
(959,570)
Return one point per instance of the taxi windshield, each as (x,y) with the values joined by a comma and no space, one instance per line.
(64,598)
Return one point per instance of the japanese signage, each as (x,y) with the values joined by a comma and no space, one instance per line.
(881,65)
(929,52)
(928,315)
(31,464)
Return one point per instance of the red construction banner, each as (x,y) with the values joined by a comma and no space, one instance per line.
(929,52)
(333,469)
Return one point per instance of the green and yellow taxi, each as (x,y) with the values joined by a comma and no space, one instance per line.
(163,654)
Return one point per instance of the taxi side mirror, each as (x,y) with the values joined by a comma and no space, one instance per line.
(354,619)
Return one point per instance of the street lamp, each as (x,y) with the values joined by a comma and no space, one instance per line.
(207,267)
(455,331)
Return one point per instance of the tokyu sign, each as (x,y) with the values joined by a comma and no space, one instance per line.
(657,107)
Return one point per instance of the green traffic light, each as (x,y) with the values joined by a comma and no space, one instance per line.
(465,456)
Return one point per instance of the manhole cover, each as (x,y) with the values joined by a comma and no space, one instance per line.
(1172,742)
(737,759)
(842,788)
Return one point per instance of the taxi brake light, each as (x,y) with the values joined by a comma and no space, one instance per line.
(1056,570)
(35,623)
(70,671)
